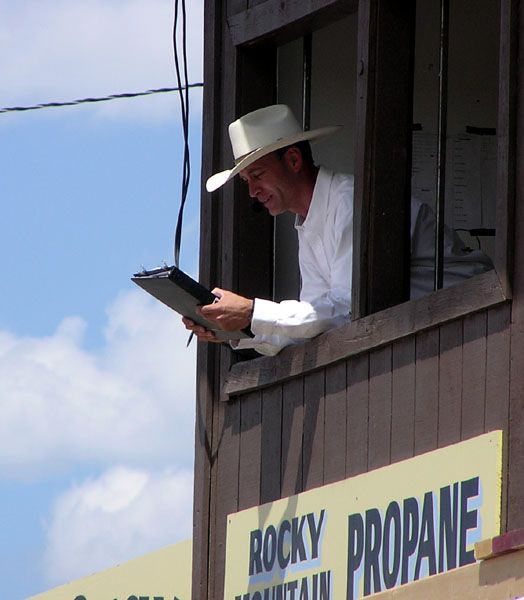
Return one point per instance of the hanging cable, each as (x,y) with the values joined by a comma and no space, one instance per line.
(182,81)
(98,99)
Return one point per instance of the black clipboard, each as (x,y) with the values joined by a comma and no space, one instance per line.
(182,293)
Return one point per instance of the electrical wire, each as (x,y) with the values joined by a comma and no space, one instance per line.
(165,90)
(183,89)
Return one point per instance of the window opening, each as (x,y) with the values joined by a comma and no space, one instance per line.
(455,111)
(316,78)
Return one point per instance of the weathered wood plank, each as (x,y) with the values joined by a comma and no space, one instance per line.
(202,470)
(313,440)
(497,368)
(507,140)
(235,7)
(225,493)
(500,544)
(515,515)
(292,430)
(403,399)
(426,400)
(224,483)
(379,424)
(394,323)
(497,385)
(270,484)
(363,157)
(357,415)
(225,227)
(381,266)
(208,366)
(473,375)
(515,468)
(285,20)
(450,383)
(208,566)
(250,452)
(335,409)
(515,471)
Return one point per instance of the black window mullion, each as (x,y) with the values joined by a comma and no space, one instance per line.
(441,144)
(306,81)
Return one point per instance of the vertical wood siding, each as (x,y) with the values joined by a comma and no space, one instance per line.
(358,415)
(450,384)
(426,391)
(335,423)
(403,400)
(272,444)
(430,390)
(516,392)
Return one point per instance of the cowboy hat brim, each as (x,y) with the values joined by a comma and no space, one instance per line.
(219,179)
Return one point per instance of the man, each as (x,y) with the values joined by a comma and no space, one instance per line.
(273,157)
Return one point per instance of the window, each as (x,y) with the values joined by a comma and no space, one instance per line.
(459,114)
(465,111)
(375,70)
(450,159)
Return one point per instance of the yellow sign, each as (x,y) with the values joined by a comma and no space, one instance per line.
(369,533)
(161,575)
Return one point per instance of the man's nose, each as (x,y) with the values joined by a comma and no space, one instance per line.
(253,188)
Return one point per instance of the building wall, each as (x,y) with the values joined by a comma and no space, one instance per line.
(422,392)
(396,384)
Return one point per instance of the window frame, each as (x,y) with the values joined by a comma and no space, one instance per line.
(381,311)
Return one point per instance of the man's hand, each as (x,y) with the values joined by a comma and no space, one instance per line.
(230,311)
(202,333)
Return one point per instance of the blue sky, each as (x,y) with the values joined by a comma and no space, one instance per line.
(96,384)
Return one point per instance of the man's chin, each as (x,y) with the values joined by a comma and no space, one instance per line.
(274,212)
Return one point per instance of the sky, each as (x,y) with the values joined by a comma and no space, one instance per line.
(96,384)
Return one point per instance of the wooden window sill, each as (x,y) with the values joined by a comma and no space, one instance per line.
(372,331)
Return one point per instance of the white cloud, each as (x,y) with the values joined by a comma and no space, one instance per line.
(66,49)
(122,514)
(132,401)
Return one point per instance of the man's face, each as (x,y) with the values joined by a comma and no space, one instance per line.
(271,181)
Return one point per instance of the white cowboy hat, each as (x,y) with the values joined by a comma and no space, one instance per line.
(260,132)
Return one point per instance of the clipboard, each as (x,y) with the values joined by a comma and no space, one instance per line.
(183,294)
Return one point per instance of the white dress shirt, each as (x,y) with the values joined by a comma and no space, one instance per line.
(325,241)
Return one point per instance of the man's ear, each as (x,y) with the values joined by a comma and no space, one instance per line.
(294,159)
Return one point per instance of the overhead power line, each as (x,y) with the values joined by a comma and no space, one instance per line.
(100,99)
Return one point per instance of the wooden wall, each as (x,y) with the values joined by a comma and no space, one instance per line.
(417,394)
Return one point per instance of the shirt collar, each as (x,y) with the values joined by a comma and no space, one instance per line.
(320,193)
